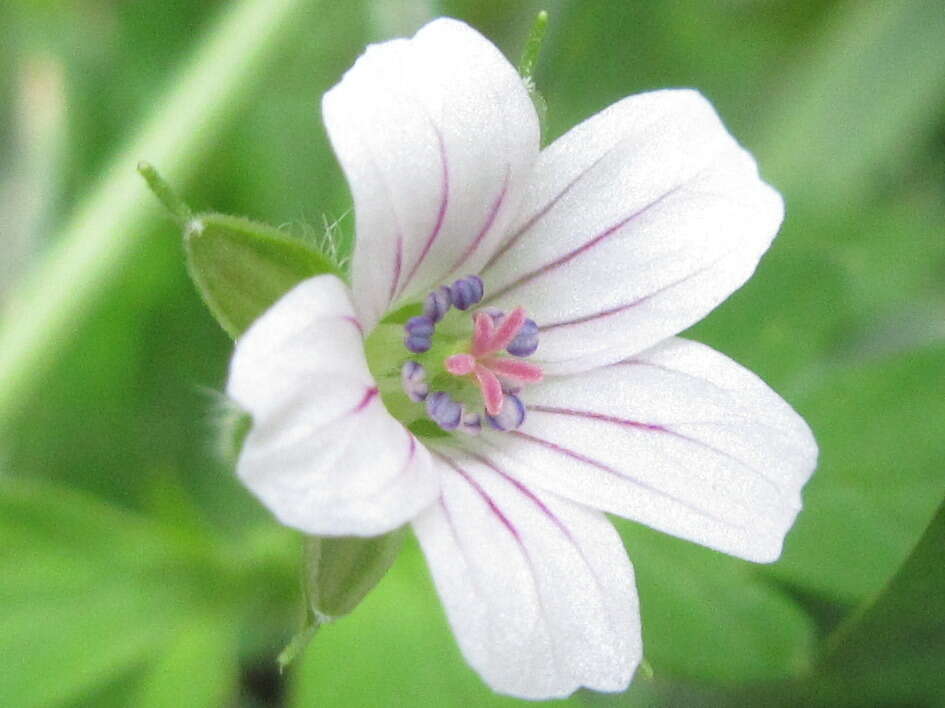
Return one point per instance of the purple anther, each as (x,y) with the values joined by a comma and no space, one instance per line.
(419,326)
(511,416)
(443,410)
(471,423)
(511,387)
(417,343)
(467,292)
(526,341)
(413,379)
(494,312)
(478,288)
(438,303)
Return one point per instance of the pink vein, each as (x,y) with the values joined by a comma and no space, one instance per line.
(490,502)
(654,428)
(588,245)
(548,513)
(547,207)
(441,215)
(490,220)
(369,395)
(404,469)
(627,306)
(526,491)
(356,323)
(610,470)
(398,263)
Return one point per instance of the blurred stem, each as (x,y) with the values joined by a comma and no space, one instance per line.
(44,314)
(30,177)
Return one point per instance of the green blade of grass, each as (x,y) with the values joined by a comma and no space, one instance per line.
(103,232)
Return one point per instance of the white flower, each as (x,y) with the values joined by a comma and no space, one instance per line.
(622,233)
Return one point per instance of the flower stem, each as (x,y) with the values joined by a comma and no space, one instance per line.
(63,288)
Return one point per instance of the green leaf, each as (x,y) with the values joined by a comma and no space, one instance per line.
(711,617)
(81,598)
(891,652)
(879,478)
(242,267)
(198,668)
(863,100)
(894,650)
(93,598)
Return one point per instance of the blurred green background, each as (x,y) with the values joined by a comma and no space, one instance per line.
(134,570)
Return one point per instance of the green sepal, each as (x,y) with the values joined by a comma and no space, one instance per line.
(341,571)
(298,643)
(233,425)
(526,68)
(241,267)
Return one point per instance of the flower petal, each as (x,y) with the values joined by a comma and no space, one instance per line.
(637,223)
(323,454)
(538,590)
(680,438)
(436,135)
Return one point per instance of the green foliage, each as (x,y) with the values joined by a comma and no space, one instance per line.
(882,450)
(90,592)
(894,648)
(134,569)
(693,598)
(204,650)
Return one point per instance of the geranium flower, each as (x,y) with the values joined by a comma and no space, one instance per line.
(538,382)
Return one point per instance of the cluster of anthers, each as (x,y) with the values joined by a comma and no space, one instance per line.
(500,379)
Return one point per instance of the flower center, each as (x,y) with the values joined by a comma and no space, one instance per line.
(464,379)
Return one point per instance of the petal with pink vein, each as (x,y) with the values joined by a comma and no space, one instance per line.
(638,223)
(436,135)
(680,438)
(323,455)
(538,590)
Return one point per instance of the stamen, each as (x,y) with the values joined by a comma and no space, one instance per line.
(419,332)
(467,291)
(420,325)
(509,386)
(526,341)
(511,416)
(499,378)
(444,411)
(417,344)
(438,303)
(495,313)
(471,423)
(413,379)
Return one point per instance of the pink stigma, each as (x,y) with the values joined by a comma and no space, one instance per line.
(461,364)
(490,338)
